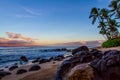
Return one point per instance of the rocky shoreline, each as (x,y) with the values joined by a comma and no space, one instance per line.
(32,66)
(82,64)
(90,65)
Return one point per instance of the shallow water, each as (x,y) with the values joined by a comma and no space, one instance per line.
(11,55)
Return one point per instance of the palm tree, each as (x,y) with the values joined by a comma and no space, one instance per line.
(115,5)
(101,15)
(113,28)
(95,14)
(103,29)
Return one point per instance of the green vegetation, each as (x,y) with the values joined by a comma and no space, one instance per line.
(111,43)
(108,22)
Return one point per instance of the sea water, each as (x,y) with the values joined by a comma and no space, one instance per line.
(11,55)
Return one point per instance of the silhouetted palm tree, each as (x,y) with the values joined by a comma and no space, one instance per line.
(107,25)
(115,5)
(103,29)
(114,28)
(94,14)
(100,15)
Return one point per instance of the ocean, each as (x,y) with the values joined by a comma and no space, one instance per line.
(11,55)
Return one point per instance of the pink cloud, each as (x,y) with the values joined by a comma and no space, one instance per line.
(15,39)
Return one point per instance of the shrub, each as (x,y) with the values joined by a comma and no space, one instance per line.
(111,43)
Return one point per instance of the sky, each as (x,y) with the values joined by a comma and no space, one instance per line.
(43,22)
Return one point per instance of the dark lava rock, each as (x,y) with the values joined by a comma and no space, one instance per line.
(6,66)
(96,53)
(80,72)
(43,61)
(24,58)
(78,58)
(84,56)
(36,60)
(58,58)
(82,48)
(34,68)
(13,67)
(1,69)
(4,73)
(21,71)
(108,67)
(51,58)
(54,62)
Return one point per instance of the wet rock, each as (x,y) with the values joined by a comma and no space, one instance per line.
(4,73)
(80,72)
(1,69)
(43,61)
(82,48)
(36,60)
(104,66)
(15,64)
(96,53)
(24,59)
(21,71)
(78,58)
(51,58)
(84,56)
(13,67)
(34,68)
(58,58)
(68,55)
(65,67)
(6,66)
(108,67)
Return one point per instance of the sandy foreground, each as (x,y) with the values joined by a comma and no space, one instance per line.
(47,71)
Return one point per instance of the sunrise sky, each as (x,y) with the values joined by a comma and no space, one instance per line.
(42,22)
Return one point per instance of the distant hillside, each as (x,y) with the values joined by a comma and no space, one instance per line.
(87,43)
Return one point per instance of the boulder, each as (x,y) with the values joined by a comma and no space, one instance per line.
(54,62)
(4,73)
(84,56)
(36,60)
(34,68)
(69,54)
(43,61)
(24,59)
(108,67)
(80,72)
(1,69)
(21,71)
(58,58)
(83,66)
(13,67)
(78,58)
(82,48)
(96,53)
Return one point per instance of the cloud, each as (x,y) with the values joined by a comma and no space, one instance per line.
(29,13)
(15,39)
(32,11)
(18,36)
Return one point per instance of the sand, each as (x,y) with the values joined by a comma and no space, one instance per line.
(46,72)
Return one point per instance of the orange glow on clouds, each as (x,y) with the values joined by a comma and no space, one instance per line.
(15,39)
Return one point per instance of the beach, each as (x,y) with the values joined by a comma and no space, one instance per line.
(47,71)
